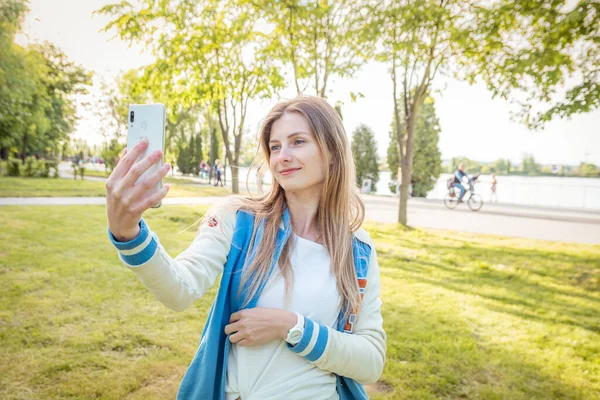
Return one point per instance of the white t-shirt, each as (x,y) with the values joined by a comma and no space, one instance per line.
(271,370)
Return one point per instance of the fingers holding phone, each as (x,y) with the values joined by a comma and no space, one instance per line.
(145,190)
(126,200)
(128,158)
(144,167)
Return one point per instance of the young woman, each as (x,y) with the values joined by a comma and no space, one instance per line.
(297,314)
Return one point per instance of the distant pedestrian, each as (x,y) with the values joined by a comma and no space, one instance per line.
(203,170)
(218,173)
(493,194)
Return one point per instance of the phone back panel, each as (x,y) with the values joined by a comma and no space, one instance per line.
(147,121)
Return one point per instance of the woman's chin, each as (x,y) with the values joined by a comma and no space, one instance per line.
(289,187)
(301,187)
(292,186)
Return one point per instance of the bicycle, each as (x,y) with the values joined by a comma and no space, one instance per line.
(473,200)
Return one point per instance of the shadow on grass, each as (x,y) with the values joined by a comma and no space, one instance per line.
(541,281)
(537,302)
(435,354)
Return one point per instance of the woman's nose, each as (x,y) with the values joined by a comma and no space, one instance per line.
(284,155)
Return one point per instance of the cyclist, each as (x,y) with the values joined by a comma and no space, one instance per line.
(459,175)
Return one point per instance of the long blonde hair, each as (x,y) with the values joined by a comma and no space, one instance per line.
(340,211)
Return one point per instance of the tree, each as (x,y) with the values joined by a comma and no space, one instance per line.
(213,50)
(194,153)
(529,166)
(417,39)
(427,163)
(184,157)
(587,169)
(318,39)
(16,86)
(500,166)
(471,166)
(61,80)
(527,50)
(250,151)
(37,111)
(111,151)
(198,152)
(364,152)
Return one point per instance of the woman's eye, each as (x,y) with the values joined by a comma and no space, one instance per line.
(298,141)
(275,147)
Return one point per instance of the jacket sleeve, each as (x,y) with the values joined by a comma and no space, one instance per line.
(178,282)
(360,355)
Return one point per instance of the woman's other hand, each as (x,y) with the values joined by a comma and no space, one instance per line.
(256,326)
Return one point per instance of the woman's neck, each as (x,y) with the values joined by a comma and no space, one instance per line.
(303,209)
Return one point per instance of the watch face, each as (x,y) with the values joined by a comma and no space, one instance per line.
(294,335)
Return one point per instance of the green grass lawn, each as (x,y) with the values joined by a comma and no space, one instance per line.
(41,187)
(467,316)
(102,174)
(99,173)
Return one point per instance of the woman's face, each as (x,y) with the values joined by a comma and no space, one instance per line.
(296,160)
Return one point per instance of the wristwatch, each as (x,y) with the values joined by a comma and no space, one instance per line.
(295,333)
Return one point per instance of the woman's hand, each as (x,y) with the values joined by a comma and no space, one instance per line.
(126,201)
(256,326)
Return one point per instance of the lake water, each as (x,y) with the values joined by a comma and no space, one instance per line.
(544,191)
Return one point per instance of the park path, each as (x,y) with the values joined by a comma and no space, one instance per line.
(505,220)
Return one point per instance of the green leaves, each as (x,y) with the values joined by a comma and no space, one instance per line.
(527,50)
(37,110)
(318,40)
(364,152)
(427,162)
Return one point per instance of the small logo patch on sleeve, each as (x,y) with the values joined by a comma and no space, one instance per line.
(212,222)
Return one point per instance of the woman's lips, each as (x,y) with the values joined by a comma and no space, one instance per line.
(289,171)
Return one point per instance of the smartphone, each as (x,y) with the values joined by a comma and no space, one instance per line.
(147,121)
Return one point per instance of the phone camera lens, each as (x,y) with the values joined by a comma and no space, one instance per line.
(131,115)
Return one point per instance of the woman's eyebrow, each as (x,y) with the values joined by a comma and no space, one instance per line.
(297,133)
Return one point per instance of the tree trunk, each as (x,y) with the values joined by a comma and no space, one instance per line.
(235,185)
(407,160)
(25,144)
(404,185)
(403,203)
(230,159)
(4,153)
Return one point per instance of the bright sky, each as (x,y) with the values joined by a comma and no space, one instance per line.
(473,124)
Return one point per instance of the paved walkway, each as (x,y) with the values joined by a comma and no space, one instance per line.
(506,220)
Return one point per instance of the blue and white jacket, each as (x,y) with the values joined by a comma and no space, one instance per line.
(355,352)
